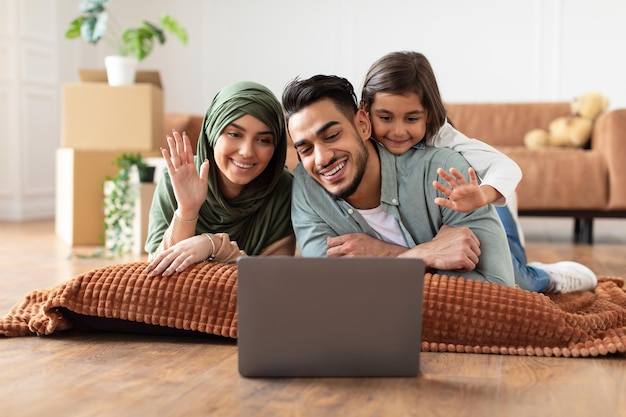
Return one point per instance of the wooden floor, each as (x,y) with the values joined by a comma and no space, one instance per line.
(109,374)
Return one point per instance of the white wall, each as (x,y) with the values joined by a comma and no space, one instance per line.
(481,50)
(29,118)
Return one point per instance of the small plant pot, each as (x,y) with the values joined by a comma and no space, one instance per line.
(121,70)
(146,174)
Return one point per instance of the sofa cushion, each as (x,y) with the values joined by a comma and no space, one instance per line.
(560,178)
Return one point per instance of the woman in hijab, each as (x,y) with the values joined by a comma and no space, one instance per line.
(234,198)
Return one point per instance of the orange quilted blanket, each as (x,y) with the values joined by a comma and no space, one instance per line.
(459,315)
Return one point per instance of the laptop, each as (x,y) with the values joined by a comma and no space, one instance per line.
(329,317)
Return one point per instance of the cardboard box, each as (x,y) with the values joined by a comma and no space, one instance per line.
(80,175)
(96,116)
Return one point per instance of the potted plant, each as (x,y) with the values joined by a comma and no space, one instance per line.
(132,44)
(120,196)
(126,161)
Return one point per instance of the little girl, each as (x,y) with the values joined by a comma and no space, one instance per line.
(402,99)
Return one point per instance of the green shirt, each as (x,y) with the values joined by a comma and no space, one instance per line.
(408,195)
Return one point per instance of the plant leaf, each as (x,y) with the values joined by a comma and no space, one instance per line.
(138,42)
(92,28)
(155,31)
(92,6)
(171,25)
(87,29)
(101,25)
(74,30)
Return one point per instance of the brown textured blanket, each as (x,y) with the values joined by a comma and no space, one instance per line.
(459,315)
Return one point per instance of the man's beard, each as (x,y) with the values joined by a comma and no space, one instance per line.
(360,161)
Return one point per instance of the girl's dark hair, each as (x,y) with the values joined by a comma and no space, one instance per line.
(406,72)
(299,94)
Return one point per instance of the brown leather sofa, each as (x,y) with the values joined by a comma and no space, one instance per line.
(565,182)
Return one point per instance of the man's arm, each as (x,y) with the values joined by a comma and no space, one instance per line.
(454,248)
(361,244)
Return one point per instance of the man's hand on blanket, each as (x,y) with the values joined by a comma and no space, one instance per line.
(452,249)
(180,256)
(360,244)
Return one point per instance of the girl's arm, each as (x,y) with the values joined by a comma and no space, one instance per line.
(500,174)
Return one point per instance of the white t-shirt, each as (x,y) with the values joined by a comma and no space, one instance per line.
(385,225)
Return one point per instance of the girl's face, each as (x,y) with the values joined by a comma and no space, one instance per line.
(398,120)
(242,152)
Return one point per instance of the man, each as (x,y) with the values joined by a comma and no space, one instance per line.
(351,197)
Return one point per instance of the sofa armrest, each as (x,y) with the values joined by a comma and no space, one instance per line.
(609,138)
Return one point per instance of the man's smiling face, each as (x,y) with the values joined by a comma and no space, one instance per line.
(330,147)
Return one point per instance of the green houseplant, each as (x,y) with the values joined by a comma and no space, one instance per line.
(120,195)
(95,23)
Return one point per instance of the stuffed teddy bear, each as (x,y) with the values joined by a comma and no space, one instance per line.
(573,130)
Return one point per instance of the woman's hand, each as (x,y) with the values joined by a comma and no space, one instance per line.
(462,196)
(190,189)
(180,256)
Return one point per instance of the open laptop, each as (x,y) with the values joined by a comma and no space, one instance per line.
(329,317)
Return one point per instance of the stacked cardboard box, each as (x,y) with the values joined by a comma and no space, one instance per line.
(99,123)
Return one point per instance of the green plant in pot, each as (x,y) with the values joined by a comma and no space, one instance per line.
(126,161)
(120,195)
(133,44)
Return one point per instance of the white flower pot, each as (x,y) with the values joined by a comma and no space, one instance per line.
(121,70)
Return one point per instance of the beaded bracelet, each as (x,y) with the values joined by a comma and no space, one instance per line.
(212,255)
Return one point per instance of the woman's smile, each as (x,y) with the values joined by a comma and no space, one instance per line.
(242,165)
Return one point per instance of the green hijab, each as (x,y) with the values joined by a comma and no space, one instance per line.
(260,215)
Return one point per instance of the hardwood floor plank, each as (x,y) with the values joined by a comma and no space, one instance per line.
(611,382)
(563,386)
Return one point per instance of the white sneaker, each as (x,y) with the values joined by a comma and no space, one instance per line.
(568,276)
